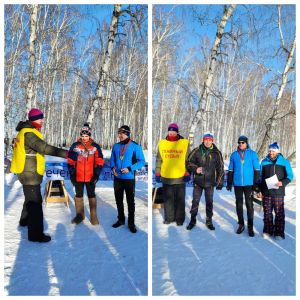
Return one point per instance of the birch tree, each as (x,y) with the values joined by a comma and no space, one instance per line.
(105,64)
(33,9)
(210,72)
(270,123)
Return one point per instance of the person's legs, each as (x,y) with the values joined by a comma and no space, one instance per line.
(34,208)
(119,194)
(169,194)
(279,216)
(209,194)
(197,192)
(79,205)
(130,193)
(179,204)
(90,189)
(238,191)
(250,209)
(268,205)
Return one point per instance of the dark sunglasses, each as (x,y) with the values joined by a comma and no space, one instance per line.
(241,142)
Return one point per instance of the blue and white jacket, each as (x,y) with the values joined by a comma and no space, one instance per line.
(243,170)
(282,168)
(133,159)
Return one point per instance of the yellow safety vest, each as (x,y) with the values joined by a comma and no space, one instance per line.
(19,154)
(173,156)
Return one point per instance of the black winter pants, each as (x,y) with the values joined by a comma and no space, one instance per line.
(33,211)
(127,185)
(239,192)
(90,189)
(174,202)
(209,194)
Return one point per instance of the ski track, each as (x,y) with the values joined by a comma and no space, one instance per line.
(80,260)
(220,262)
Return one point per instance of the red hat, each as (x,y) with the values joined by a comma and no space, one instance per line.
(35,114)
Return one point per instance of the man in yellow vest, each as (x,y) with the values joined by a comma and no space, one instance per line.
(28,162)
(170,169)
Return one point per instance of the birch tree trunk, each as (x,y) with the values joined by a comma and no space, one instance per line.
(105,64)
(210,72)
(271,121)
(32,40)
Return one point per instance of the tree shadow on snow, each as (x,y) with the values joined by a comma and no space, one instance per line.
(131,249)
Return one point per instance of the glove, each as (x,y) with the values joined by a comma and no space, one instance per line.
(229,187)
(157,177)
(219,187)
(72,172)
(187,177)
(94,179)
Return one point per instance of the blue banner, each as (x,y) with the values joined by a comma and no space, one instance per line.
(59,171)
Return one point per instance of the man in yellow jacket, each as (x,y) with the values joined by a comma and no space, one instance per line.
(170,170)
(28,162)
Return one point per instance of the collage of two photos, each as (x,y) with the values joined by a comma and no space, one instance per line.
(100,180)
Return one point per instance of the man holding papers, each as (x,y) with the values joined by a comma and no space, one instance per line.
(276,174)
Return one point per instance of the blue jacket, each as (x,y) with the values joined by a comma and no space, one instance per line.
(243,173)
(133,159)
(282,168)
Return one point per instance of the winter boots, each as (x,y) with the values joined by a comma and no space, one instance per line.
(118,224)
(192,223)
(41,239)
(209,224)
(240,229)
(79,211)
(93,211)
(250,231)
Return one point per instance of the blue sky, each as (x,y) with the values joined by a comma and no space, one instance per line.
(194,31)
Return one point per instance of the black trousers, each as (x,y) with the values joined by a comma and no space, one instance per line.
(127,185)
(90,189)
(241,191)
(33,211)
(209,194)
(174,202)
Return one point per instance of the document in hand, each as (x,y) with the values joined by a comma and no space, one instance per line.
(271,182)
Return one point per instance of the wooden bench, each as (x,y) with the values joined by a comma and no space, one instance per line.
(55,192)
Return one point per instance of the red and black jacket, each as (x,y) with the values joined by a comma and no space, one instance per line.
(86,158)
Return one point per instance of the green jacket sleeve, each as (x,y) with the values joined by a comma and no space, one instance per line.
(33,142)
(158,162)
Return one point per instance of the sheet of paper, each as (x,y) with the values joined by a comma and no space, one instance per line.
(271,182)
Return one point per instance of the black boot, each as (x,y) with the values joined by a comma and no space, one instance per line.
(41,239)
(192,223)
(209,224)
(240,229)
(118,224)
(250,231)
(132,228)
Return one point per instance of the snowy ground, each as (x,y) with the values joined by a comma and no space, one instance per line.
(80,260)
(220,262)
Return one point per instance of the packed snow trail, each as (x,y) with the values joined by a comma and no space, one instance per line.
(220,262)
(82,259)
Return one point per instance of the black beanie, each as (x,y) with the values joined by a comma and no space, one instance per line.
(243,138)
(125,129)
(85,129)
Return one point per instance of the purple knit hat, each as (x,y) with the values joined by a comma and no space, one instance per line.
(173,127)
(35,114)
